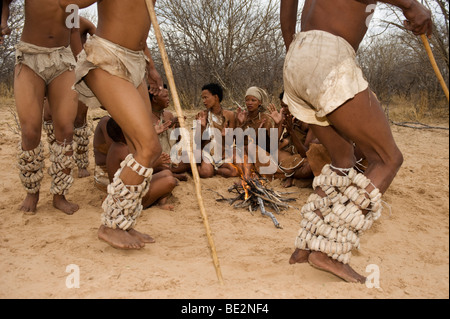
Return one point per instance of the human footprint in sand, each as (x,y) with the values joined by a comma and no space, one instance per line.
(111,72)
(325,88)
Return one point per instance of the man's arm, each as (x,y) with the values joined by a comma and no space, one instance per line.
(231,119)
(5,14)
(78,36)
(87,26)
(418,16)
(154,79)
(75,42)
(288,16)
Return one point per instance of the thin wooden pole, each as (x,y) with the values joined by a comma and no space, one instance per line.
(434,64)
(185,134)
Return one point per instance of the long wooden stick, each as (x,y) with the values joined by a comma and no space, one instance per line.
(434,64)
(185,135)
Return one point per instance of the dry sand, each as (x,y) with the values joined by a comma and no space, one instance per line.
(410,246)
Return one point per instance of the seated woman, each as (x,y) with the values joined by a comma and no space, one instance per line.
(295,139)
(163,182)
(213,119)
(255,117)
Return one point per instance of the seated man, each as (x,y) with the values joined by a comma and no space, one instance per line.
(163,182)
(164,121)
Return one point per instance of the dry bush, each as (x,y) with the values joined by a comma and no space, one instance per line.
(6,91)
(406,109)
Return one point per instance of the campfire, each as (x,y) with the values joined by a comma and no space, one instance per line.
(253,194)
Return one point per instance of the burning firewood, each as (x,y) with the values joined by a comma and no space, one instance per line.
(252,194)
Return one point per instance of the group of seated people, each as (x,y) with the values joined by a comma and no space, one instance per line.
(299,155)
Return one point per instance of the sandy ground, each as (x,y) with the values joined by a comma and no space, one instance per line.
(410,245)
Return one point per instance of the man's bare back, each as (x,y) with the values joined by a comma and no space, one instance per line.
(343,18)
(45,24)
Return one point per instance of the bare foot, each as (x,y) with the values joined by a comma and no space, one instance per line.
(181,177)
(83,172)
(289,182)
(304,183)
(162,203)
(29,204)
(60,202)
(168,207)
(321,261)
(119,238)
(299,256)
(142,237)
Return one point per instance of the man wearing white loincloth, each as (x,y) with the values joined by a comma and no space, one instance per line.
(325,88)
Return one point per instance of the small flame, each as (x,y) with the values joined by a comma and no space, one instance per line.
(245,187)
(245,173)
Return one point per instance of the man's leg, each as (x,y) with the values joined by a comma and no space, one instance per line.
(48,123)
(163,183)
(206,169)
(29,91)
(63,105)
(82,132)
(342,149)
(364,122)
(100,142)
(360,120)
(227,170)
(127,106)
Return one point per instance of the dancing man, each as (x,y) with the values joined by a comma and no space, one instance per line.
(325,88)
(45,68)
(111,72)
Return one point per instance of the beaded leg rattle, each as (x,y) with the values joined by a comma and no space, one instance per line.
(344,221)
(123,205)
